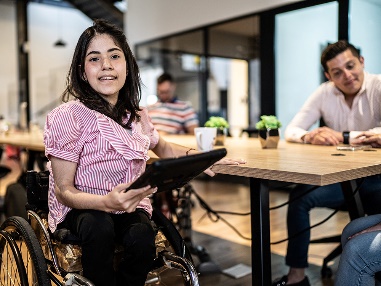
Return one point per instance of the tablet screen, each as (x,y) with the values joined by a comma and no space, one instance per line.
(173,173)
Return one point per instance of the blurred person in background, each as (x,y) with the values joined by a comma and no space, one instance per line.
(169,114)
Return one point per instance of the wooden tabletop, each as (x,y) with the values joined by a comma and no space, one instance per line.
(290,162)
(31,141)
(294,162)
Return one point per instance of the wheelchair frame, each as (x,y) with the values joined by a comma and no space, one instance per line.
(31,246)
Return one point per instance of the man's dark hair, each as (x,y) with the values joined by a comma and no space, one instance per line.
(332,50)
(165,77)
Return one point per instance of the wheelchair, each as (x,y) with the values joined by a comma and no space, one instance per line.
(32,255)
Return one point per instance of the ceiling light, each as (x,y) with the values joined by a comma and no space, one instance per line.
(59,43)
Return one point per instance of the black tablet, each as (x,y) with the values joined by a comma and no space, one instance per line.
(173,173)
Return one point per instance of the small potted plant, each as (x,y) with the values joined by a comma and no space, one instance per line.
(222,125)
(268,131)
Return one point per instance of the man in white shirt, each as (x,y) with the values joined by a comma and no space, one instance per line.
(350,102)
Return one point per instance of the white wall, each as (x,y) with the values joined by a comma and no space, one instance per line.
(149,19)
(8,58)
(48,65)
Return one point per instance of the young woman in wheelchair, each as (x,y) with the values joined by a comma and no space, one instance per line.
(97,143)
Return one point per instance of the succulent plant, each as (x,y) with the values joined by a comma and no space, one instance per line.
(216,121)
(268,122)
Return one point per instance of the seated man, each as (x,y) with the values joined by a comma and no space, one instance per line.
(170,115)
(348,102)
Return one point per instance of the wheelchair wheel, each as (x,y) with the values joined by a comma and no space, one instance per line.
(174,264)
(26,245)
(11,266)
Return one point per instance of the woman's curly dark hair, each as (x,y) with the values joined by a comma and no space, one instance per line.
(78,87)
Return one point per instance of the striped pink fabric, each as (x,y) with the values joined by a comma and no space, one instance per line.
(106,154)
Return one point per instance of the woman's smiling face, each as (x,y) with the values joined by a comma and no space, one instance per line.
(105,67)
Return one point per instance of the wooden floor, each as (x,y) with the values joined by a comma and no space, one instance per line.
(234,197)
(223,244)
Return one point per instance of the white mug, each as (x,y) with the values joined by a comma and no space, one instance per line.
(205,137)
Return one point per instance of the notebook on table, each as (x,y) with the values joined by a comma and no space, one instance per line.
(173,173)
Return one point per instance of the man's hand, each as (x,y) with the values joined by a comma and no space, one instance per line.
(323,136)
(368,138)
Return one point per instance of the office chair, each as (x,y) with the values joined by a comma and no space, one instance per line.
(4,170)
(326,272)
(251,132)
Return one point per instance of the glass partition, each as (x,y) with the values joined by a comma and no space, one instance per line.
(365,31)
(233,48)
(178,55)
(300,37)
(228,86)
(191,43)
(238,39)
(212,76)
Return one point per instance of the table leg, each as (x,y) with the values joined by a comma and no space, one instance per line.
(353,201)
(260,232)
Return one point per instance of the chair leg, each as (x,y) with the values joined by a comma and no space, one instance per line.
(330,239)
(378,277)
(326,272)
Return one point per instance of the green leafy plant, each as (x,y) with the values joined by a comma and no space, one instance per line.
(216,121)
(268,122)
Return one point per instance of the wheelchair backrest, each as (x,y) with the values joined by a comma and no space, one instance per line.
(37,188)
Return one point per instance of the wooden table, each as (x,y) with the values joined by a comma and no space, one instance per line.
(295,163)
(32,142)
(290,162)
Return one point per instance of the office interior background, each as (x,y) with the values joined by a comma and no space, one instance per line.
(238,59)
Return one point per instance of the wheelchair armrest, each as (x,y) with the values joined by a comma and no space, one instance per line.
(37,188)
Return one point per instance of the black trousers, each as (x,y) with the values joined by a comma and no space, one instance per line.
(99,231)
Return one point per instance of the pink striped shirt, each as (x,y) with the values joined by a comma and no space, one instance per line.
(106,154)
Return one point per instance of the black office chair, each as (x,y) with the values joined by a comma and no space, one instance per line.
(326,272)
(251,132)
(4,170)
